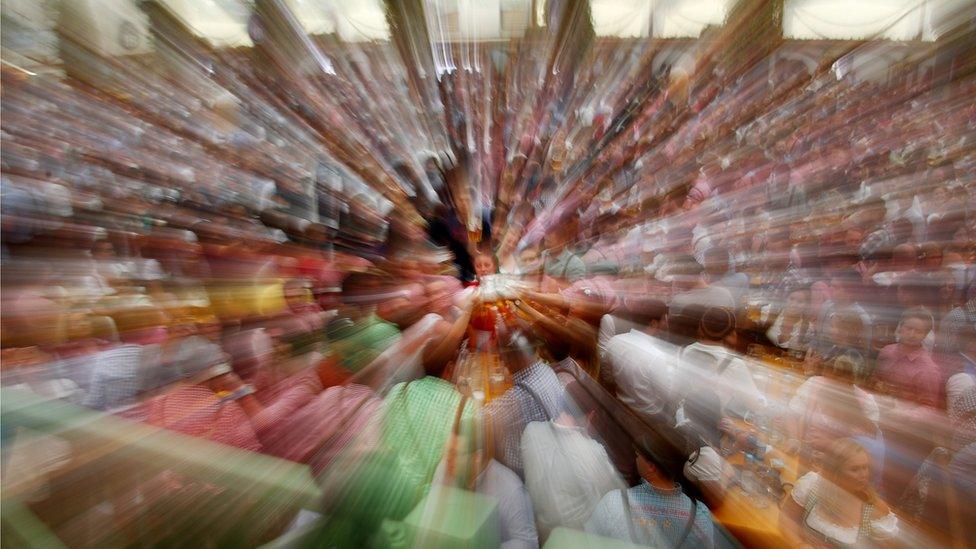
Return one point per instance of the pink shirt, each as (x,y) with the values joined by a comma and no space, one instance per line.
(196,411)
(911,373)
(336,421)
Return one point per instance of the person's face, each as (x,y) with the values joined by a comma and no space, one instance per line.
(841,290)
(562,234)
(298,294)
(912,332)
(856,473)
(484,265)
(645,468)
(797,302)
(716,264)
(932,259)
(103,250)
(529,261)
(853,237)
(844,332)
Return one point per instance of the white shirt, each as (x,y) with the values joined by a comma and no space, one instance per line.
(956,387)
(709,467)
(514,506)
(882,528)
(612,325)
(796,339)
(567,473)
(709,296)
(801,401)
(642,368)
(699,368)
(735,283)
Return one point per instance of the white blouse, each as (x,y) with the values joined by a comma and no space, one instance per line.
(796,336)
(882,528)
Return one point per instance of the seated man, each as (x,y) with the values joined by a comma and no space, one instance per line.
(566,473)
(282,394)
(708,363)
(655,513)
(691,287)
(358,335)
(703,428)
(536,395)
(632,314)
(199,398)
(561,266)
(641,366)
(716,262)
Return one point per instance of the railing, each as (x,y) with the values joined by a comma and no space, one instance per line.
(112,459)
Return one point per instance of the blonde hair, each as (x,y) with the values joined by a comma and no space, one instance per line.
(841,452)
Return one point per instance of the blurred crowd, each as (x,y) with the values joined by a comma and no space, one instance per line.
(638,292)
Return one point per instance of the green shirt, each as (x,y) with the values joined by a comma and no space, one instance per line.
(358,343)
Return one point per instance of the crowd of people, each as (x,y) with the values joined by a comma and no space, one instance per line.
(626,300)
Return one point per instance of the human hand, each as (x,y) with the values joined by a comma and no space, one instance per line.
(228,382)
(791,446)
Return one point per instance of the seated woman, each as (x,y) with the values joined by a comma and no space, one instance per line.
(831,406)
(791,329)
(655,512)
(567,473)
(837,507)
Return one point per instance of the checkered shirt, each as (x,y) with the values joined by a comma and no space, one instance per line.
(115,379)
(508,415)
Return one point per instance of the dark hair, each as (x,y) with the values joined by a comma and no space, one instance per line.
(686,321)
(920,313)
(643,310)
(717,322)
(686,265)
(847,276)
(848,366)
(357,286)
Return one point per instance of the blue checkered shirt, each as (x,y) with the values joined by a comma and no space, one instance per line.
(508,415)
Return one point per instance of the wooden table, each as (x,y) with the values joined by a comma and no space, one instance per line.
(754,526)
